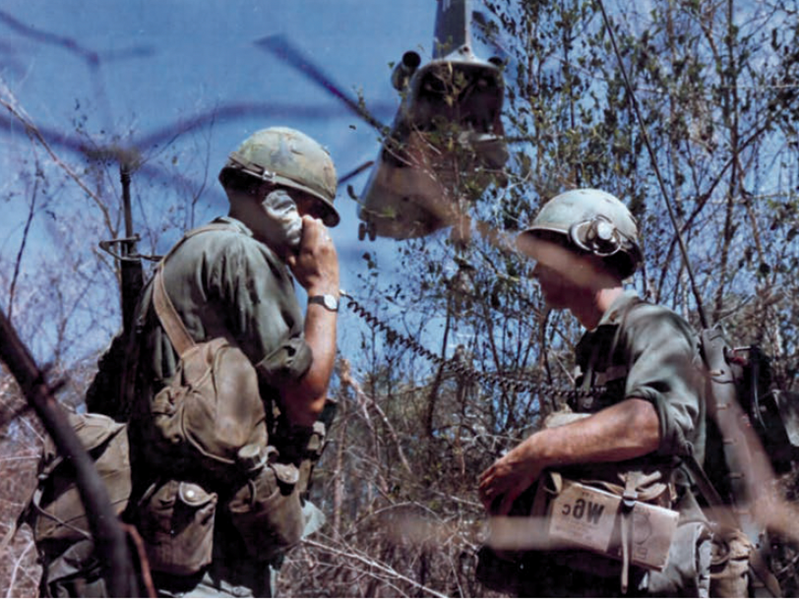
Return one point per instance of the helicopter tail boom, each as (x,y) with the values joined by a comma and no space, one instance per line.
(452,28)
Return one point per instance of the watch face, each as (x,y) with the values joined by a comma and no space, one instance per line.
(330,302)
(327,300)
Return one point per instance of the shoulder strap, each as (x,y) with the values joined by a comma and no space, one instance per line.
(588,376)
(168,316)
(178,335)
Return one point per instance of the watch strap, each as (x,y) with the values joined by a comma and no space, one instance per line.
(329,301)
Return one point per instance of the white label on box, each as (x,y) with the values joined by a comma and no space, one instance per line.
(584,517)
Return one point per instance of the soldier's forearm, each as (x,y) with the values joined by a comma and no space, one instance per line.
(306,398)
(623,431)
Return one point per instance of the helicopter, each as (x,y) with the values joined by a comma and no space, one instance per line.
(446,139)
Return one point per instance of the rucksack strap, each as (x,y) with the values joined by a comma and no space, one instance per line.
(176,331)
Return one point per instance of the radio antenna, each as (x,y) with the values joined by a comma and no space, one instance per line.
(672,215)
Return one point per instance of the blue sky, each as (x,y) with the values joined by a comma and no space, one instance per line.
(166,61)
(134,67)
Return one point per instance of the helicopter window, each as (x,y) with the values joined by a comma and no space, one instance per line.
(465,95)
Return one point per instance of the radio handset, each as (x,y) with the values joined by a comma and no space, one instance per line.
(284,222)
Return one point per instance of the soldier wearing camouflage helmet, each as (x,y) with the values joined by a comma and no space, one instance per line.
(234,279)
(641,410)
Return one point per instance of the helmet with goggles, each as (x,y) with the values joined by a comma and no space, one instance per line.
(591,221)
(289,158)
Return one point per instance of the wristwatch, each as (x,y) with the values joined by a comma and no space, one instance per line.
(329,301)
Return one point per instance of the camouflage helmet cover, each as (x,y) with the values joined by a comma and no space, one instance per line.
(288,157)
(593,221)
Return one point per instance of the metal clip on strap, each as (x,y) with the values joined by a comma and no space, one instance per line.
(628,501)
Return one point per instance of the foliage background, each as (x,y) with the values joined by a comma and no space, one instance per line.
(717,85)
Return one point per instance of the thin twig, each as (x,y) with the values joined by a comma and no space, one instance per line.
(26,231)
(17,566)
(374,564)
(31,129)
(348,380)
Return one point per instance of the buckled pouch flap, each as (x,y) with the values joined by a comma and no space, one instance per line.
(176,522)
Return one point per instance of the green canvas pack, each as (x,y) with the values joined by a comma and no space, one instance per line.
(211,408)
(56,513)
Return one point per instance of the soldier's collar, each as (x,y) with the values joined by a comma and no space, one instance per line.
(615,312)
(236,223)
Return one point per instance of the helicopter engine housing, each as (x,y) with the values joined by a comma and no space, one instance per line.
(405,69)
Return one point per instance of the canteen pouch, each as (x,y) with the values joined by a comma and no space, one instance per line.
(729,564)
(267,511)
(176,522)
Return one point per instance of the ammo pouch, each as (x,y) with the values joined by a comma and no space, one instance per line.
(176,523)
(267,510)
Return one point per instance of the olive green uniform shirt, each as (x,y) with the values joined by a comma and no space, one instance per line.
(222,283)
(645,351)
(225,283)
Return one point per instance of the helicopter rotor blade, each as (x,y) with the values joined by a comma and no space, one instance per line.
(283,49)
(235,110)
(519,139)
(355,172)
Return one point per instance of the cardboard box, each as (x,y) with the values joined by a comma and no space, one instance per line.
(589,518)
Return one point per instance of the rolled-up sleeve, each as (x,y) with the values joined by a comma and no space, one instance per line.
(287,363)
(664,369)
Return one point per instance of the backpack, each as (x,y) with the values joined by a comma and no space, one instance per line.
(743,376)
(753,435)
(56,513)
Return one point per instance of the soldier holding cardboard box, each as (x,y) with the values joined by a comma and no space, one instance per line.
(604,474)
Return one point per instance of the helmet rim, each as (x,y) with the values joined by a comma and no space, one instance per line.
(309,148)
(571,214)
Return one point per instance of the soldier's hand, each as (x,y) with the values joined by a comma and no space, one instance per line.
(315,266)
(504,481)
